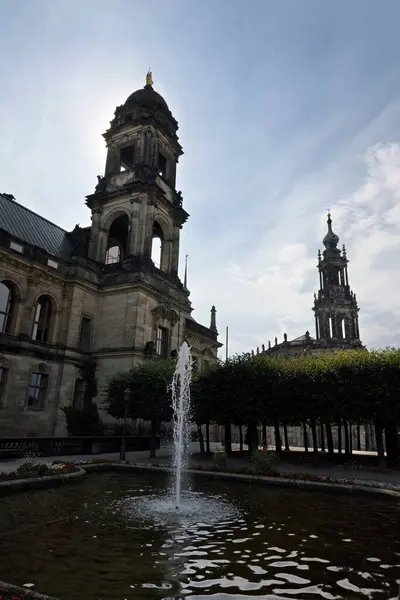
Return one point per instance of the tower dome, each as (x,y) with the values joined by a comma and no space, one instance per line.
(147,97)
(331,240)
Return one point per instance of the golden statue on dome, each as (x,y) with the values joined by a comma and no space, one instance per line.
(149,78)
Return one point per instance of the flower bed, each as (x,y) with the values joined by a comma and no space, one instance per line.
(33,470)
(12,592)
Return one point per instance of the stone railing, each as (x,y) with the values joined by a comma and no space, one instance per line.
(70,446)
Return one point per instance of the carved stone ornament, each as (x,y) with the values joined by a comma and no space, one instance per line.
(3,360)
(162,311)
(43,368)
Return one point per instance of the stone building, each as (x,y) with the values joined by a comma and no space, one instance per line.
(335,307)
(108,292)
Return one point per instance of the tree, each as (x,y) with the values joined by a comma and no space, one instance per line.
(150,399)
(85,421)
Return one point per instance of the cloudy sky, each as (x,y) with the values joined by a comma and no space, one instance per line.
(286,108)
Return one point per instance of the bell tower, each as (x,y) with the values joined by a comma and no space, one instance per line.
(137,213)
(335,305)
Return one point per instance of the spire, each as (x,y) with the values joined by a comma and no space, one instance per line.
(213,322)
(149,78)
(331,240)
(185,277)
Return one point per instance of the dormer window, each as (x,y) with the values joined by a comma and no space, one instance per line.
(162,165)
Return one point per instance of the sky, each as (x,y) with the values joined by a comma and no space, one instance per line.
(285,107)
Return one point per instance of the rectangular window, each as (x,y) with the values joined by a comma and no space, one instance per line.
(52,264)
(79,394)
(3,380)
(86,334)
(16,247)
(37,390)
(162,342)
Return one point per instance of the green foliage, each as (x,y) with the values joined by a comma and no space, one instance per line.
(264,460)
(85,421)
(149,384)
(355,386)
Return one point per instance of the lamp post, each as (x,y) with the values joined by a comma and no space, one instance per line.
(127,397)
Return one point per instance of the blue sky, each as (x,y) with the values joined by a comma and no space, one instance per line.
(285,108)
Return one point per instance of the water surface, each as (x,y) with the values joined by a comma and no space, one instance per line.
(96,541)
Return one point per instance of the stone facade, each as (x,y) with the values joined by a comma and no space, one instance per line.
(97,293)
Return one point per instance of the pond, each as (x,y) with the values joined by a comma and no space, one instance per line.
(110,538)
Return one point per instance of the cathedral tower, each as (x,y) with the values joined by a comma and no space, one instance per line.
(136,211)
(335,305)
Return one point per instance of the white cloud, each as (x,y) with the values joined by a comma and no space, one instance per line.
(271,287)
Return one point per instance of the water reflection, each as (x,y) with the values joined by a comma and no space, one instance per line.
(112,537)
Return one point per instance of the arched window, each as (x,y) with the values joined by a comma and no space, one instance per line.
(157,245)
(114,253)
(42,320)
(7,302)
(117,244)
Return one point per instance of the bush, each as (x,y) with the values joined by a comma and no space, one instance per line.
(220,458)
(85,421)
(264,460)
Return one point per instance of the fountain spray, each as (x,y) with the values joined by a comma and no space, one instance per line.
(181,414)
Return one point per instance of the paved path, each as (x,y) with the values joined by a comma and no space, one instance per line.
(164,455)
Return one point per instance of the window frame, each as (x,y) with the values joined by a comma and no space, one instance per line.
(46,320)
(8,312)
(89,319)
(41,386)
(162,341)
(3,383)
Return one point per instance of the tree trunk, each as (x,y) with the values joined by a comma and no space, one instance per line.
(379,445)
(329,439)
(252,436)
(339,438)
(201,438)
(285,433)
(358,437)
(278,441)
(305,437)
(314,435)
(264,433)
(228,438)
(392,445)
(346,438)
(367,438)
(321,429)
(208,437)
(153,438)
(241,438)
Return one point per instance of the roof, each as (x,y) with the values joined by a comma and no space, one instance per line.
(29,227)
(147,97)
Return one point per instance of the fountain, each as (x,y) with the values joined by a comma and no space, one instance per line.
(180,391)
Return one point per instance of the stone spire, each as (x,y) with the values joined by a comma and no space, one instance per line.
(335,305)
(213,322)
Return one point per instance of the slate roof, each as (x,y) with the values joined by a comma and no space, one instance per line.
(29,227)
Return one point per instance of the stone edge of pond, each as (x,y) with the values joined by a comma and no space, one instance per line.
(34,483)
(276,481)
(13,592)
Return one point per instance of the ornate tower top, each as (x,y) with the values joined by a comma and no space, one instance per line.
(335,305)
(331,240)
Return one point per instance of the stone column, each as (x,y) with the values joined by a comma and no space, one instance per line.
(26,322)
(175,250)
(146,226)
(113,162)
(94,234)
(134,227)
